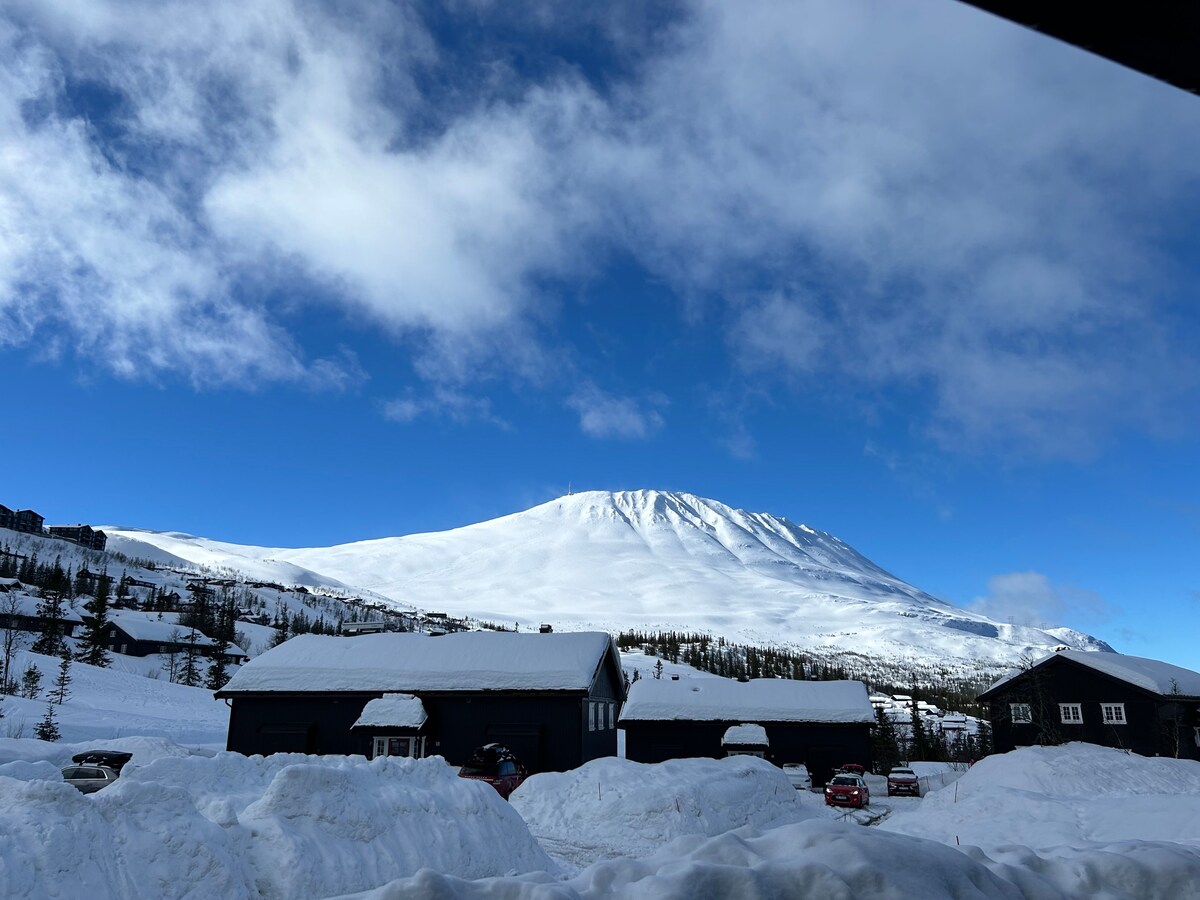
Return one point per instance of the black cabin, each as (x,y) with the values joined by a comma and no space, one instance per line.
(1143,705)
(552,698)
(822,724)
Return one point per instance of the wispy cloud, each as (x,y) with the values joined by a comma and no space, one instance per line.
(442,403)
(1029,598)
(603,415)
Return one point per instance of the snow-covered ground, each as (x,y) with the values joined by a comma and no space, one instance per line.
(223,825)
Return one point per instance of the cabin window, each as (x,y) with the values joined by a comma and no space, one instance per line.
(394,746)
(1021,713)
(612,714)
(1072,713)
(1113,713)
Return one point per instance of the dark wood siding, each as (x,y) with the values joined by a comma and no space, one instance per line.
(821,747)
(1152,722)
(545,731)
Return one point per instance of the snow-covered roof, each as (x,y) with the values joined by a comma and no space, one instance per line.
(466,661)
(143,627)
(1148,674)
(760,700)
(745,736)
(149,628)
(393,711)
(27,605)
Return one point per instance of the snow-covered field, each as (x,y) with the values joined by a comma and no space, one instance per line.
(187,825)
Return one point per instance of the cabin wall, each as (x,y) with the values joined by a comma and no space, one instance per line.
(545,731)
(1151,724)
(821,747)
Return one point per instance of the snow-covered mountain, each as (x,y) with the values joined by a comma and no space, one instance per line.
(646,560)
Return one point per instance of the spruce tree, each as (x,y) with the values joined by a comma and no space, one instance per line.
(189,672)
(93,651)
(31,682)
(47,729)
(60,692)
(218,673)
(49,610)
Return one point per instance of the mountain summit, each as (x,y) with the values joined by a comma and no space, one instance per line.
(657,560)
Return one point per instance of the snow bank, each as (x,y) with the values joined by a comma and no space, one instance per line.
(1043,797)
(614,807)
(808,859)
(233,826)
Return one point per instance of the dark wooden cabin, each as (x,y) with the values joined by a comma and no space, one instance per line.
(1143,705)
(822,724)
(140,634)
(553,699)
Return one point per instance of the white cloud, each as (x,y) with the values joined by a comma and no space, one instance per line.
(602,415)
(971,220)
(442,403)
(1029,598)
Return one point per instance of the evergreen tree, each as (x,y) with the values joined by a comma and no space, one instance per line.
(60,692)
(50,611)
(885,748)
(218,673)
(189,672)
(47,729)
(93,652)
(31,682)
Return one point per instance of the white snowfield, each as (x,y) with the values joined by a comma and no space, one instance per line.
(650,560)
(757,700)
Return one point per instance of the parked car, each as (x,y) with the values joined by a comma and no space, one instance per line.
(903,781)
(89,779)
(495,764)
(797,774)
(114,759)
(95,769)
(852,769)
(847,790)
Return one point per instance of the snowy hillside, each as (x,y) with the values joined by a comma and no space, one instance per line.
(648,560)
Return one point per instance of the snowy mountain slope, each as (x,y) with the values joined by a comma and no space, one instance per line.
(654,560)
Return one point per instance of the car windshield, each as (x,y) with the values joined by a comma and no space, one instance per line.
(487,770)
(846,781)
(903,772)
(78,773)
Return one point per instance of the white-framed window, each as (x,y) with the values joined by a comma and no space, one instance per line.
(1113,713)
(612,715)
(1072,713)
(1021,713)
(1196,731)
(396,746)
(592,704)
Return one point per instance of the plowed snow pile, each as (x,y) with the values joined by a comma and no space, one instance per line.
(232,827)
(1042,797)
(615,807)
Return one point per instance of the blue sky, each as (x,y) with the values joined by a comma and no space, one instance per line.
(305,273)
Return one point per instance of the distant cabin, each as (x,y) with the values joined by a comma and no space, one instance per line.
(1144,705)
(354,628)
(553,699)
(19,611)
(141,634)
(822,724)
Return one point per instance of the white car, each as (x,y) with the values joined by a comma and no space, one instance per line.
(797,774)
(89,779)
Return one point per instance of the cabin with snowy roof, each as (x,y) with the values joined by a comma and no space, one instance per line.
(1144,705)
(132,633)
(553,699)
(822,724)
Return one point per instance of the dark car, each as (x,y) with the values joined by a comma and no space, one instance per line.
(847,790)
(495,764)
(903,781)
(852,769)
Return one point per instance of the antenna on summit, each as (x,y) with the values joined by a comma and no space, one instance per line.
(568,489)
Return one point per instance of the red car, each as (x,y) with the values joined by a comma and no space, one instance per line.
(852,769)
(495,764)
(847,790)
